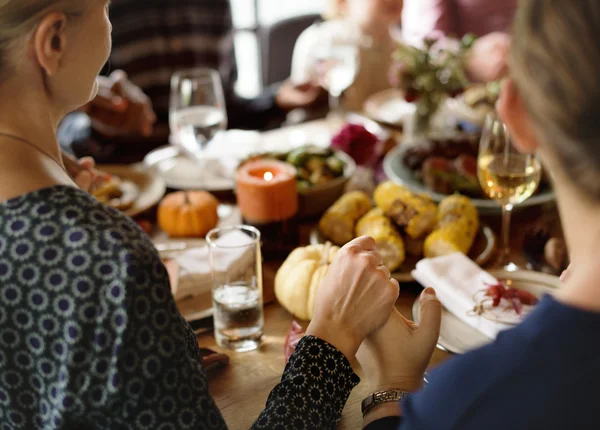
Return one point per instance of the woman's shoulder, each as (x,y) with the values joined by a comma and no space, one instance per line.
(73,223)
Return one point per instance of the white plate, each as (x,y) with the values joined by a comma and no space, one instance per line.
(396,170)
(151,187)
(389,107)
(182,171)
(458,337)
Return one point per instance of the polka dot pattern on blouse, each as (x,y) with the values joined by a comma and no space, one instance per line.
(90,336)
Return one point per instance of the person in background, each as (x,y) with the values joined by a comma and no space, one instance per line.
(455,18)
(373,26)
(544,373)
(153,40)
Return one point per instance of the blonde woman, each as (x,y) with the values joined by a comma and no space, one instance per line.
(90,336)
(545,373)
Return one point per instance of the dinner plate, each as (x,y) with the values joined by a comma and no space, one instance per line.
(396,170)
(151,187)
(458,337)
(389,107)
(184,171)
(481,251)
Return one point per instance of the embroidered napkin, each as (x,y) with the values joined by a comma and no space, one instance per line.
(456,279)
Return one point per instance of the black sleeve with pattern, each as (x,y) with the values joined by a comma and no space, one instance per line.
(313,390)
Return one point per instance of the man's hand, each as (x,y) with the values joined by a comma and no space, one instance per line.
(293,96)
(83,172)
(120,108)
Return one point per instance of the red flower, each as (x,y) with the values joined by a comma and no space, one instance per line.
(362,145)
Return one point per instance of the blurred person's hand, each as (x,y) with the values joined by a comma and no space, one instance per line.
(83,172)
(303,95)
(396,356)
(488,57)
(120,108)
(355,298)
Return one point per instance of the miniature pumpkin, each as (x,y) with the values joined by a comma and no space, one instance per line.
(299,277)
(188,213)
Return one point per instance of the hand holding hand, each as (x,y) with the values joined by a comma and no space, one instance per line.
(121,108)
(396,356)
(355,298)
(488,58)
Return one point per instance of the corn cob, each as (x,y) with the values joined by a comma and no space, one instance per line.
(455,207)
(340,219)
(416,213)
(389,242)
(458,223)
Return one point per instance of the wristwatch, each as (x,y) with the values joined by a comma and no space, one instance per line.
(380,397)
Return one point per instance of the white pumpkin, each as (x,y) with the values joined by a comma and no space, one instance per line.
(299,277)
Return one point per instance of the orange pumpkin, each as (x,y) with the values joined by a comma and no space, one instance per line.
(188,213)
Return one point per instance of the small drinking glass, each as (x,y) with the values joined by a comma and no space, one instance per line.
(197,110)
(236,268)
(506,175)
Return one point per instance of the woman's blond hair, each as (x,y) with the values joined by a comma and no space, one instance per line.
(556,66)
(18,18)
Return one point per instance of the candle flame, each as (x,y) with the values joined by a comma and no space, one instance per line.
(268,176)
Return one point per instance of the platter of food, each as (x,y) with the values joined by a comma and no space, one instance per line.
(130,189)
(407,227)
(440,166)
(458,337)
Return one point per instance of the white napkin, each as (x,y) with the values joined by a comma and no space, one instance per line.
(195,272)
(455,279)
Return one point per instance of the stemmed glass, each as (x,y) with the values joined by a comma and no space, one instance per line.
(197,110)
(506,175)
(336,66)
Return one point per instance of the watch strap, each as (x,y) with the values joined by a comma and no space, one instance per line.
(380,397)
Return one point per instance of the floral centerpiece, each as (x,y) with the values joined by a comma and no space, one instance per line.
(427,75)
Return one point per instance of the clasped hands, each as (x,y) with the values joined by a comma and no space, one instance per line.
(354,311)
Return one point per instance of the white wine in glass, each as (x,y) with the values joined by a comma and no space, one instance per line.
(506,175)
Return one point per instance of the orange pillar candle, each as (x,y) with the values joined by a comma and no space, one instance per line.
(266,191)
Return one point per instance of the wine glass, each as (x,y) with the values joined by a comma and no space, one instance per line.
(197,110)
(506,175)
(336,65)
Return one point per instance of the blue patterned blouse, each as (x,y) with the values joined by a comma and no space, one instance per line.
(90,336)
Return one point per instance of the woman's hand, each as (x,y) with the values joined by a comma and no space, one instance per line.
(83,172)
(396,356)
(355,298)
(488,58)
(120,108)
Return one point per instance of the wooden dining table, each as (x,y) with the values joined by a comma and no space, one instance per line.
(241,388)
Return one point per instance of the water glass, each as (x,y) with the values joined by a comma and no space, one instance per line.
(197,109)
(236,268)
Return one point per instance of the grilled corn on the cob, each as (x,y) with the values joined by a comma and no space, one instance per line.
(458,223)
(389,242)
(340,219)
(416,213)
